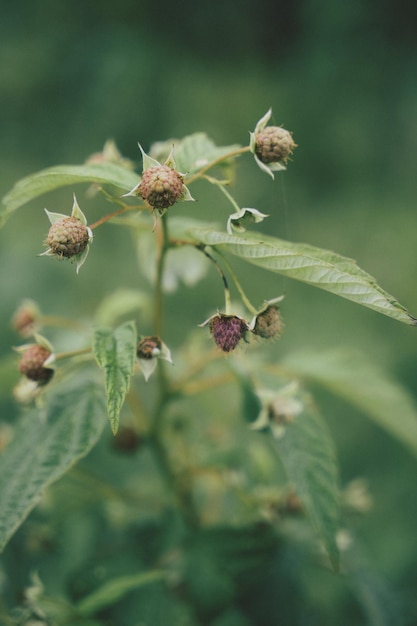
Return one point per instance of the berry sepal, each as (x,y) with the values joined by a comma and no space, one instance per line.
(237,221)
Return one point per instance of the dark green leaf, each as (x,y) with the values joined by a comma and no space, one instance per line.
(115,352)
(307,453)
(46,444)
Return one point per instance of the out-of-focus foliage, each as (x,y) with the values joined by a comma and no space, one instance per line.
(341,76)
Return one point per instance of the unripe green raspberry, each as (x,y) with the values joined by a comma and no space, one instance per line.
(161,186)
(68,237)
(274,144)
(268,323)
(227,331)
(31,364)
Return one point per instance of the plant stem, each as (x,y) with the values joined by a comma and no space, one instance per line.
(61,322)
(248,304)
(224,157)
(226,193)
(108,217)
(227,299)
(72,353)
(163,241)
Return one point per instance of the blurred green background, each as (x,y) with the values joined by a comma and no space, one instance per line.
(340,75)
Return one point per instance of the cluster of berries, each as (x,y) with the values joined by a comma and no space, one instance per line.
(161,186)
(228,330)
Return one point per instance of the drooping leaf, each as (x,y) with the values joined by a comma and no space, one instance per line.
(52,178)
(46,444)
(351,376)
(115,352)
(315,266)
(306,450)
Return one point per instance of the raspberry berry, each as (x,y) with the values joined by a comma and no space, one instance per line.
(161,186)
(68,237)
(32,364)
(268,323)
(274,144)
(227,330)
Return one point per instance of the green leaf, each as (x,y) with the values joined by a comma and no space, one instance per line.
(115,352)
(351,376)
(52,178)
(315,266)
(114,590)
(306,450)
(196,151)
(45,445)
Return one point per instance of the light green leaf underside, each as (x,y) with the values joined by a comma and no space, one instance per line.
(114,590)
(115,352)
(45,445)
(351,376)
(315,266)
(37,184)
(196,151)
(307,453)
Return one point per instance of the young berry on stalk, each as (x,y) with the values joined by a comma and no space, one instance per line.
(69,236)
(161,185)
(227,330)
(272,146)
(35,363)
(267,322)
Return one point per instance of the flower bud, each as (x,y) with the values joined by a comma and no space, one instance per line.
(32,364)
(68,237)
(227,330)
(161,186)
(274,144)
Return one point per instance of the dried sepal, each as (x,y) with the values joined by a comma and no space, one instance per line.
(237,221)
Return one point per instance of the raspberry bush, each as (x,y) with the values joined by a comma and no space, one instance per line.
(229,473)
